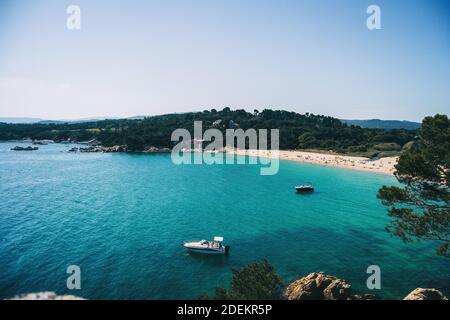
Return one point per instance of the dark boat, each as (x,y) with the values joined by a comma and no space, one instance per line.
(303,188)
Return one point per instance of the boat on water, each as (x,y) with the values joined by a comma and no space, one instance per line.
(206,246)
(303,188)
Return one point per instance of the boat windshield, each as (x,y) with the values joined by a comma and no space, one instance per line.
(215,245)
(211,244)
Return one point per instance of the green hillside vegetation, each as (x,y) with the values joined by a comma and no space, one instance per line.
(420,204)
(297,131)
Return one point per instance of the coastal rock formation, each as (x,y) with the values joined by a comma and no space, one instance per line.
(425,294)
(123,148)
(319,286)
(45,296)
(100,149)
(156,150)
(17,148)
(115,149)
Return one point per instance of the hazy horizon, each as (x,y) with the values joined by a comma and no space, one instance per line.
(152,57)
(143,115)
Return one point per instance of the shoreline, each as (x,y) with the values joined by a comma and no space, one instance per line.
(383,166)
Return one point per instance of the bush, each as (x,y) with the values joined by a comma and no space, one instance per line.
(256,281)
(389,146)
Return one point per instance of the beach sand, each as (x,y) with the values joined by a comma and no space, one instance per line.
(383,165)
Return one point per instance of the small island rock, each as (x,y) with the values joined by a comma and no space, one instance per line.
(425,294)
(18,148)
(48,295)
(319,286)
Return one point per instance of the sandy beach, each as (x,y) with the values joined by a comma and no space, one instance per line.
(383,165)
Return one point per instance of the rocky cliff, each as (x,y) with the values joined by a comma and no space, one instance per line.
(425,294)
(315,286)
(45,296)
(320,286)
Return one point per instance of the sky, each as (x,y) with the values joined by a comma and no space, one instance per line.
(154,57)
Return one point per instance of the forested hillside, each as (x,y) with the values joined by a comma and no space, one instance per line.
(297,131)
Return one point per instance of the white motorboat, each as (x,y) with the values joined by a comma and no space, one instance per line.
(210,247)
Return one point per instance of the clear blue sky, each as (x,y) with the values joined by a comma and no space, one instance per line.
(152,57)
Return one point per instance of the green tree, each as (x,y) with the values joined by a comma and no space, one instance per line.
(135,143)
(306,140)
(256,281)
(421,205)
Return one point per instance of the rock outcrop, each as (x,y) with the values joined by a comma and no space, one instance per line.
(45,296)
(17,148)
(425,294)
(319,286)
(100,149)
(123,148)
(156,150)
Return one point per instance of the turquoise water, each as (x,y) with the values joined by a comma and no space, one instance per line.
(122,219)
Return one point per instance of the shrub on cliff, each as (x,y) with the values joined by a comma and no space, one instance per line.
(256,281)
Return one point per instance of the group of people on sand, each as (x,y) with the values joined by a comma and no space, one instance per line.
(383,165)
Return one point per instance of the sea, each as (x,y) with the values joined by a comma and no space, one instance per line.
(122,219)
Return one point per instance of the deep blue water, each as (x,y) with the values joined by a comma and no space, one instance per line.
(122,219)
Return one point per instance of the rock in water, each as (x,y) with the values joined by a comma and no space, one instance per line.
(152,149)
(319,286)
(98,148)
(45,296)
(425,294)
(29,148)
